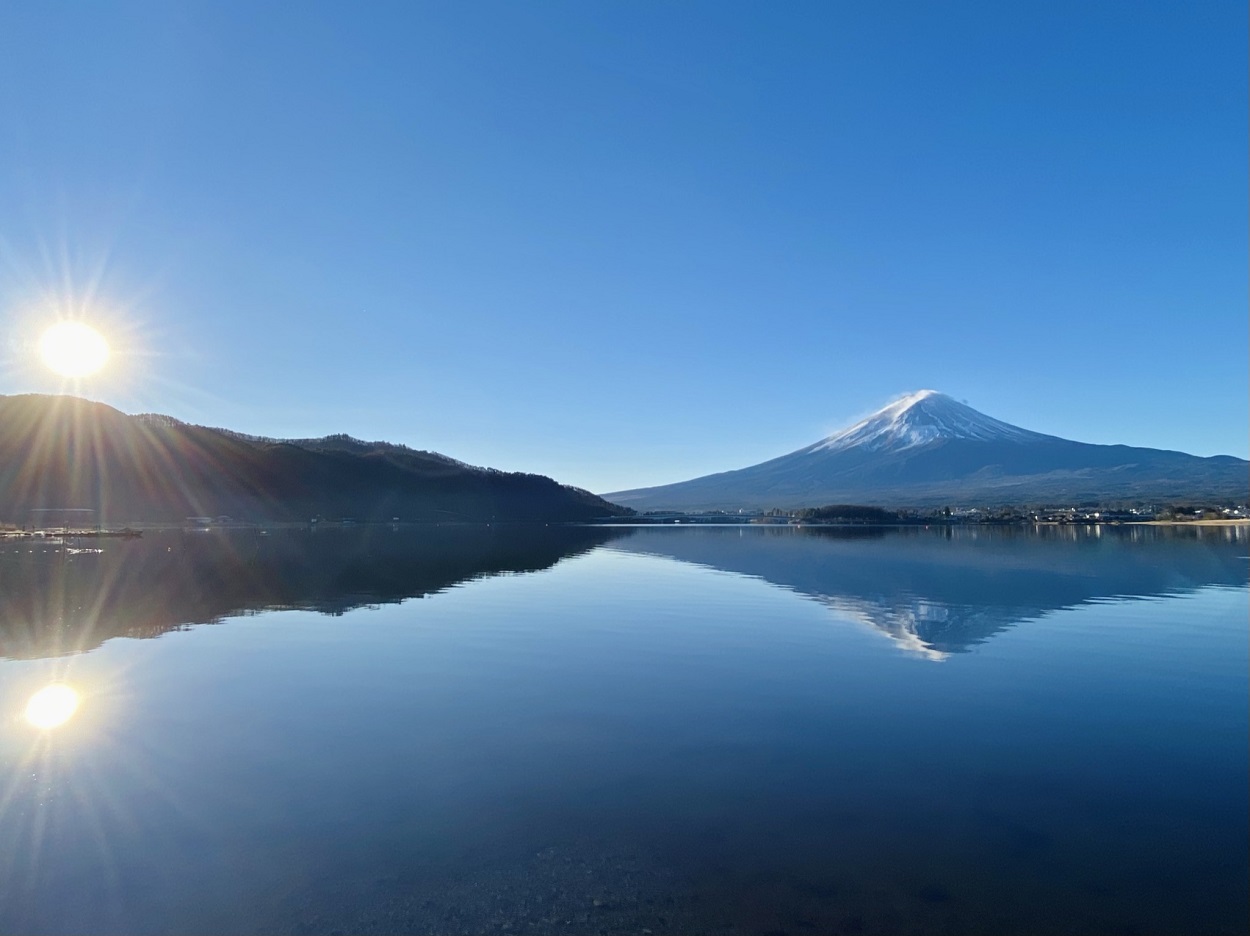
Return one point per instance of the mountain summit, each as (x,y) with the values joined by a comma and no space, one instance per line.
(926,449)
(921,418)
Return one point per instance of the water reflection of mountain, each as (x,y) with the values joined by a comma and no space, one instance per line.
(934,592)
(940,591)
(56,600)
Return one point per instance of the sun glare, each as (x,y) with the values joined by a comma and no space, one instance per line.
(51,706)
(73,349)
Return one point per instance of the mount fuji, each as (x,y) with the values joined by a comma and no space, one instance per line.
(926,449)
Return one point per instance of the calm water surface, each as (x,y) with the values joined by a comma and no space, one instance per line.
(735,730)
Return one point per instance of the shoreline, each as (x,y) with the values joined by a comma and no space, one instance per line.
(1229,521)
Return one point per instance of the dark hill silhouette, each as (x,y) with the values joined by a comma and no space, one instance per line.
(60,452)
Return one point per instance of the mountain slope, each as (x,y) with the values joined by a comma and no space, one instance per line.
(927,449)
(61,452)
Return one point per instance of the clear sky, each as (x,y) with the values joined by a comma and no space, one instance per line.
(630,243)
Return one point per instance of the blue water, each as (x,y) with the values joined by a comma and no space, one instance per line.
(738,730)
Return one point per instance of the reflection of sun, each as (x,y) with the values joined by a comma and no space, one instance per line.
(73,349)
(51,706)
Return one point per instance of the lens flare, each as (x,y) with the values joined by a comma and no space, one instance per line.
(51,706)
(73,349)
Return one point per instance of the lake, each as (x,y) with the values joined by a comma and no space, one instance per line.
(628,730)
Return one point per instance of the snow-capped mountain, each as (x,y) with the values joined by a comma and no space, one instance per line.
(927,449)
(920,418)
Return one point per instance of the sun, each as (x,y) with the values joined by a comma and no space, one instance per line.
(51,706)
(73,349)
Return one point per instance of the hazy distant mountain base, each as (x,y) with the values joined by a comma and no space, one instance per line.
(927,450)
(60,453)
(989,486)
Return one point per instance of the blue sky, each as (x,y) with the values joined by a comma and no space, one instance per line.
(631,243)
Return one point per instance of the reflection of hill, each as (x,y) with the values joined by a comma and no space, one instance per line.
(53,601)
(940,591)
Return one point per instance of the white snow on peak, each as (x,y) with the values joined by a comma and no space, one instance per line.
(918,419)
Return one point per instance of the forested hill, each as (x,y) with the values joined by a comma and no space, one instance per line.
(61,452)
